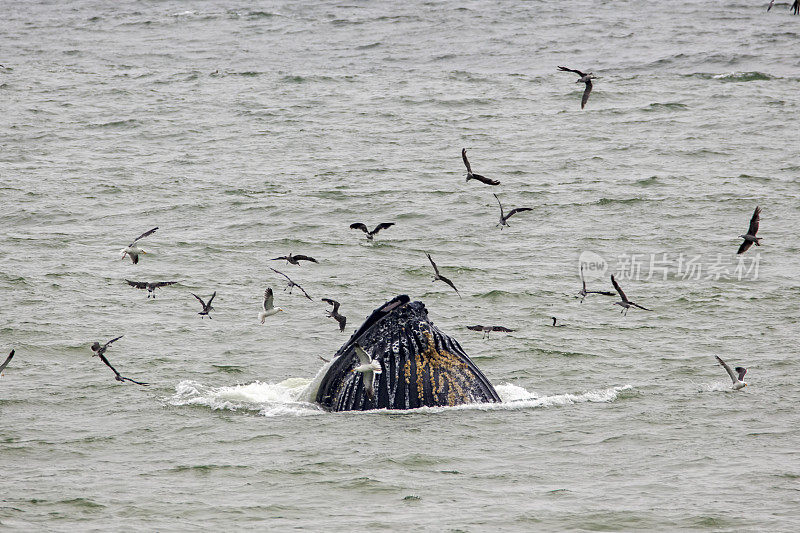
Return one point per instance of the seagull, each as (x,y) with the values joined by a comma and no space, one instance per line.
(737,374)
(556,325)
(585,78)
(471,176)
(341,319)
(439,277)
(269,309)
(584,292)
(5,363)
(750,236)
(206,305)
(132,250)
(295,259)
(487,329)
(770,4)
(371,234)
(625,303)
(150,286)
(100,350)
(117,375)
(291,284)
(368,368)
(503,217)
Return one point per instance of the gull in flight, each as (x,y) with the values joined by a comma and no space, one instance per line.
(750,236)
(150,286)
(625,303)
(132,250)
(371,234)
(368,368)
(585,78)
(5,363)
(341,319)
(770,4)
(487,329)
(503,217)
(295,259)
(584,292)
(471,176)
(268,308)
(206,305)
(291,284)
(736,374)
(100,350)
(439,277)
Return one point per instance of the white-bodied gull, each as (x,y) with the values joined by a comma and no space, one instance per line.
(368,368)
(736,374)
(268,309)
(132,250)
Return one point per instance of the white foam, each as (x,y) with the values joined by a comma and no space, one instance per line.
(269,399)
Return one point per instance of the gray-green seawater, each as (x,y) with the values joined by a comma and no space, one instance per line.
(247,130)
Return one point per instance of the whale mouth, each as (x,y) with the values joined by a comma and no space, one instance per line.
(423,367)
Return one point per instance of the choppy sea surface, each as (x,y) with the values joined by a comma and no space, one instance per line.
(247,130)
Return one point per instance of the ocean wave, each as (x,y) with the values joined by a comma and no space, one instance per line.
(733,76)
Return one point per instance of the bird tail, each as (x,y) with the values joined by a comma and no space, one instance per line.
(376,367)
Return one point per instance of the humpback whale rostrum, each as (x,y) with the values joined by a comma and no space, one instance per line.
(421,366)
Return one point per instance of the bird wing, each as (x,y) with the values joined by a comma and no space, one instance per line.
(342,320)
(744,247)
(268,299)
(382,225)
(435,268)
(518,210)
(451,284)
(210,299)
(605,293)
(362,355)
(770,4)
(305,258)
(369,387)
(583,281)
(754,222)
(618,288)
(466,161)
(639,306)
(304,291)
(586,92)
(143,235)
(281,273)
(727,368)
(137,284)
(200,299)
(578,72)
(501,205)
(5,363)
(112,340)
(741,371)
(103,358)
(475,328)
(164,283)
(359,225)
(334,303)
(501,328)
(123,378)
(279,258)
(484,179)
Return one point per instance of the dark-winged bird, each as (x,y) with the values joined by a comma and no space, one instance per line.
(5,363)
(132,250)
(471,176)
(585,78)
(291,284)
(584,292)
(151,286)
(295,259)
(439,277)
(624,303)
(341,319)
(117,375)
(503,217)
(796,7)
(206,305)
(736,376)
(268,309)
(750,236)
(100,350)
(770,4)
(371,234)
(487,329)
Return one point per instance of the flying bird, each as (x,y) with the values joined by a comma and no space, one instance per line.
(5,363)
(439,277)
(503,217)
(341,319)
(736,374)
(132,250)
(268,308)
(770,4)
(750,236)
(117,375)
(795,7)
(471,176)
(584,292)
(206,305)
(371,234)
(625,303)
(291,284)
(295,259)
(585,78)
(100,350)
(150,286)
(487,329)
(556,325)
(368,368)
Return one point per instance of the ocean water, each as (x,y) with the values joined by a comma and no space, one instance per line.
(247,130)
